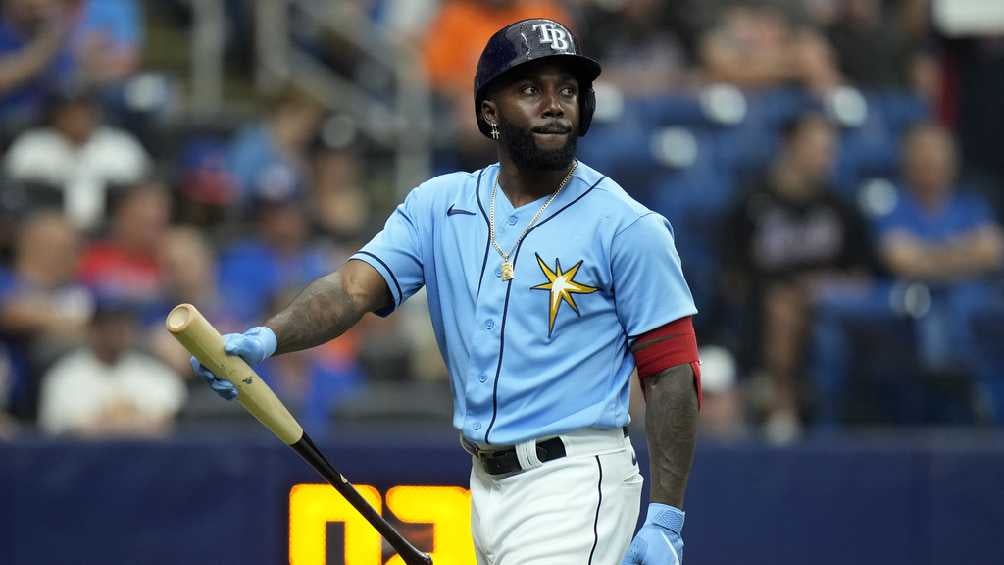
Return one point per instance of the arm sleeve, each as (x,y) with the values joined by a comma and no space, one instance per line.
(397,252)
(649,288)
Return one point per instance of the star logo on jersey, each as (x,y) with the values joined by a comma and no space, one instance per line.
(562,286)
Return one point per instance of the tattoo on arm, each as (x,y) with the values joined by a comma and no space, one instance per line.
(328,307)
(671,428)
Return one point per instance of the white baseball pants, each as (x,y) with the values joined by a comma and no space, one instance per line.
(580,509)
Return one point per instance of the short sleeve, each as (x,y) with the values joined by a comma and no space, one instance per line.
(397,251)
(649,288)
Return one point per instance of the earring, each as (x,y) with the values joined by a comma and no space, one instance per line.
(494,131)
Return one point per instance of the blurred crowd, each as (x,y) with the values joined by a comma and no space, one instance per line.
(831,168)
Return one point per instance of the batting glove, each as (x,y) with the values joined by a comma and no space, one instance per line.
(253,346)
(658,542)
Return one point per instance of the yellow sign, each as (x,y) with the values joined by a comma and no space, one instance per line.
(313,506)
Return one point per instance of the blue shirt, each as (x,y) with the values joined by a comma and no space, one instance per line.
(960,214)
(546,352)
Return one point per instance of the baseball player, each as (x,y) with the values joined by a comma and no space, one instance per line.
(547,287)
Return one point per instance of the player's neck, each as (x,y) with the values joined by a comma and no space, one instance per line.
(523,186)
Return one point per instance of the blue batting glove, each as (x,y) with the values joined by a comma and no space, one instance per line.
(658,542)
(253,346)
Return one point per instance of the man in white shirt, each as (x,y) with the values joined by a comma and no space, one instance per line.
(79,154)
(107,388)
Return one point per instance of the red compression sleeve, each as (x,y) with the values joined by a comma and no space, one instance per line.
(666,347)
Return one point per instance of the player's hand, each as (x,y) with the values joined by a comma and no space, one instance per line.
(659,540)
(253,346)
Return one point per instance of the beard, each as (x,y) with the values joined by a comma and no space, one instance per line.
(524,151)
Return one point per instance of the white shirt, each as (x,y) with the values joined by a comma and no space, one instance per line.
(109,156)
(79,387)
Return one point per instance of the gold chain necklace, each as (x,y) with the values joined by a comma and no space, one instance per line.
(508,271)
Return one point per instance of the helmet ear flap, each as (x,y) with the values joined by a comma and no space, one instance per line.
(587,106)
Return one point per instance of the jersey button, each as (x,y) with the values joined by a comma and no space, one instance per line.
(483,378)
(513,220)
(477,426)
(498,273)
(489,324)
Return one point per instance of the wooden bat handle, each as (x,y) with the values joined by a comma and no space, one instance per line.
(201,339)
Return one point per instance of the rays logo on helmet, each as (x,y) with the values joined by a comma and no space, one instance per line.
(553,35)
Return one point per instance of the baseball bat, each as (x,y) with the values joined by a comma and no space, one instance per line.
(202,340)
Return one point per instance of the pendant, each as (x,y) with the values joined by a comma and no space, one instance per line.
(507,271)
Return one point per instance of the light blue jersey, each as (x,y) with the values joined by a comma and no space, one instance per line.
(547,352)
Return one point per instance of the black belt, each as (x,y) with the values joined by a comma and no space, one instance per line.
(505,461)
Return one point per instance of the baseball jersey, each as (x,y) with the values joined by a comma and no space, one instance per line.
(548,351)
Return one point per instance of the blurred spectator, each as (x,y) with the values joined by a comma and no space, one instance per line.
(270,159)
(77,154)
(340,204)
(939,244)
(277,257)
(640,54)
(107,388)
(107,38)
(43,309)
(933,233)
(126,263)
(722,412)
(944,239)
(788,240)
(34,56)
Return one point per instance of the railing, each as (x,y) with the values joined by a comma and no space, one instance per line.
(401,126)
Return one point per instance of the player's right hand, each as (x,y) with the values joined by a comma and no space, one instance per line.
(253,346)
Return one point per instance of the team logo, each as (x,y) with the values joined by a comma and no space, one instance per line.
(562,286)
(553,35)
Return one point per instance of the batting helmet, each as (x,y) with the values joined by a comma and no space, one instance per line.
(533,40)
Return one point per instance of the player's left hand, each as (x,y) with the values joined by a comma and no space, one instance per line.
(659,540)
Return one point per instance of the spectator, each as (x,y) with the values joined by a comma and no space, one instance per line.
(78,154)
(271,157)
(126,263)
(43,309)
(276,258)
(34,56)
(945,239)
(107,38)
(935,234)
(939,245)
(788,240)
(107,388)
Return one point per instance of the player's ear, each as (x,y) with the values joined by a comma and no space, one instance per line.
(489,112)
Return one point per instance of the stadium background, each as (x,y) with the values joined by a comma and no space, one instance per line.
(226,152)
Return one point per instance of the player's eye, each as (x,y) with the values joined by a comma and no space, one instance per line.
(569,91)
(528,90)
